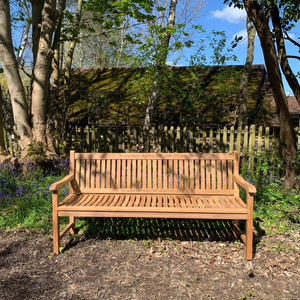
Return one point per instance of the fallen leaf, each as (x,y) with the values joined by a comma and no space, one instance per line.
(272,263)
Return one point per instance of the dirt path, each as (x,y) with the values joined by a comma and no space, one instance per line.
(93,268)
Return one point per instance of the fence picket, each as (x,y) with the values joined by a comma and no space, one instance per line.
(248,141)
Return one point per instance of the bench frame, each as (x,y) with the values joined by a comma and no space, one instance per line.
(60,209)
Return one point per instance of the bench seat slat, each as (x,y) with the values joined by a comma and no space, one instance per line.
(160,203)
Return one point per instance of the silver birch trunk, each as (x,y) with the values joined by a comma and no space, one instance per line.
(246,73)
(153,98)
(13,78)
(25,37)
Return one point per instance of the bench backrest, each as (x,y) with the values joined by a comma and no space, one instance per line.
(181,173)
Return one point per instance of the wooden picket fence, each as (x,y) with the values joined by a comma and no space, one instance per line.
(248,141)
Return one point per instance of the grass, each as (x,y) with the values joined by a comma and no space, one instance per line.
(25,202)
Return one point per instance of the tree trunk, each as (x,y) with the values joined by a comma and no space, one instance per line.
(153,98)
(15,86)
(257,16)
(246,73)
(25,37)
(55,48)
(37,7)
(2,144)
(285,66)
(42,72)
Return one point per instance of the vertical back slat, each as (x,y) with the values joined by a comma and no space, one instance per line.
(139,173)
(133,176)
(186,174)
(118,184)
(219,176)
(165,170)
(154,174)
(197,174)
(213,174)
(224,172)
(192,174)
(170,174)
(160,172)
(144,171)
(113,173)
(82,172)
(98,173)
(230,174)
(175,174)
(88,173)
(103,175)
(93,173)
(203,175)
(123,173)
(108,170)
(128,173)
(208,174)
(149,170)
(180,174)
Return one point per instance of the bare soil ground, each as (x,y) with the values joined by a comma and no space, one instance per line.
(184,266)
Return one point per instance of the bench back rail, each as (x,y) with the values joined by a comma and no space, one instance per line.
(182,173)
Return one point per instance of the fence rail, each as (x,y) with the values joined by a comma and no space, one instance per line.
(248,141)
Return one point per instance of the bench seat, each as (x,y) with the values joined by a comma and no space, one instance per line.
(176,185)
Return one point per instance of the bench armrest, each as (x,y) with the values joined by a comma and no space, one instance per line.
(56,185)
(250,188)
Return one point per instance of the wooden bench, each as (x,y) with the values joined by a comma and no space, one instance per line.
(154,185)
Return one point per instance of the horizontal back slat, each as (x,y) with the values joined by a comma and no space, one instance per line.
(173,173)
(158,156)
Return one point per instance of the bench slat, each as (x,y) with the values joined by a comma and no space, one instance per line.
(157,156)
(182,205)
(156,191)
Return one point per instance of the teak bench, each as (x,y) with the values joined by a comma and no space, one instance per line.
(154,185)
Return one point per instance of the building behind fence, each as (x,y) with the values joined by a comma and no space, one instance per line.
(248,141)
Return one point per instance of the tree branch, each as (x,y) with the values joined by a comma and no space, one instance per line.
(291,40)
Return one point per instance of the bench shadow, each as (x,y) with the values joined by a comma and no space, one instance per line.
(152,229)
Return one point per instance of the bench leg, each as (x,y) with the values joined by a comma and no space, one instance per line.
(56,238)
(249,238)
(72,221)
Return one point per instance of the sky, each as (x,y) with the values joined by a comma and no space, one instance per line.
(221,17)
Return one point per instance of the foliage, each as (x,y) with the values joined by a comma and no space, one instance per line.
(185,91)
(275,203)
(26,199)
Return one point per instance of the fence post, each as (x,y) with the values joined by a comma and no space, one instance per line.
(238,141)
(231,145)
(224,139)
(273,154)
(252,145)
(218,137)
(178,139)
(123,139)
(147,139)
(166,140)
(204,140)
(172,139)
(245,146)
(211,140)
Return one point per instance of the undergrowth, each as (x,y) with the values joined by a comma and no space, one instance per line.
(25,200)
(276,205)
